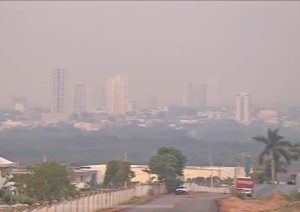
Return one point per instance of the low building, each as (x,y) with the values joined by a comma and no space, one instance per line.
(222,172)
(6,166)
(190,172)
(83,178)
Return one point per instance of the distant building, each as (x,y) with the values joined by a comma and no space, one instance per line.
(6,166)
(117,95)
(59,91)
(80,98)
(102,98)
(268,116)
(19,104)
(212,93)
(190,172)
(243,108)
(194,96)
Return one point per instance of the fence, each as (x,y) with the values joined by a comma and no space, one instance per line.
(109,198)
(99,200)
(198,188)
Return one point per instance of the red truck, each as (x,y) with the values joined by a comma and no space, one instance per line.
(245,185)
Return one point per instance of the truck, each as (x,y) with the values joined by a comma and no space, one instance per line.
(245,185)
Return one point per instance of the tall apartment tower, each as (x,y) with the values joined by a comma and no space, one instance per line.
(212,93)
(188,94)
(117,95)
(80,98)
(59,91)
(194,96)
(243,108)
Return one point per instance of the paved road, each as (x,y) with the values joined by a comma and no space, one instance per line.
(197,202)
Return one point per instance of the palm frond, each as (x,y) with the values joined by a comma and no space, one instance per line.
(262,156)
(273,136)
(261,139)
(286,155)
(284,144)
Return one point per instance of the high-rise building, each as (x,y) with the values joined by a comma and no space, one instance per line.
(117,95)
(59,92)
(102,102)
(80,98)
(194,96)
(188,94)
(19,104)
(243,108)
(212,93)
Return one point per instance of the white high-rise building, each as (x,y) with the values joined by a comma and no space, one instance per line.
(243,108)
(117,95)
(212,93)
(80,98)
(59,91)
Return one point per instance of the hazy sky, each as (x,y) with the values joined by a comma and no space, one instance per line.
(158,46)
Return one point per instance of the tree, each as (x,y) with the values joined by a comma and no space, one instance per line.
(168,164)
(117,173)
(276,148)
(45,182)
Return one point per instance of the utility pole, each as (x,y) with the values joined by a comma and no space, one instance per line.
(211,164)
(44,159)
(125,159)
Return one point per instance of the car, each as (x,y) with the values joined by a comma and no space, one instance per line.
(181,190)
(247,192)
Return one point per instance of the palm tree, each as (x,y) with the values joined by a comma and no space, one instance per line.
(275,148)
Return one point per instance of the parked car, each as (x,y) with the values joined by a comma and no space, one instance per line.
(181,190)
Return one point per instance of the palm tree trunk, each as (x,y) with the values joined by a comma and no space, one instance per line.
(273,167)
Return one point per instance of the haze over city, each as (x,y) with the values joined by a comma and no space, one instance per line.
(158,46)
(122,104)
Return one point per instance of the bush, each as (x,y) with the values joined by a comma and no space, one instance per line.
(237,193)
(10,199)
(294,195)
(172,183)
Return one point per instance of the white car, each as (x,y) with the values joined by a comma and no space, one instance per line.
(181,190)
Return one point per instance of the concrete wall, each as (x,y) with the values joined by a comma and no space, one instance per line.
(100,199)
(197,188)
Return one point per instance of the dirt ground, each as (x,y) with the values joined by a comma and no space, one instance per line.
(275,202)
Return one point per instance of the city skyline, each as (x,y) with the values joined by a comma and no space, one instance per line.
(252,46)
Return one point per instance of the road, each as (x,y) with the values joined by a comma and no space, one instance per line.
(197,202)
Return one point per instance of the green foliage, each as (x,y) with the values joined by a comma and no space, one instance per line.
(172,182)
(168,164)
(11,197)
(259,174)
(294,195)
(45,182)
(237,193)
(117,174)
(277,151)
